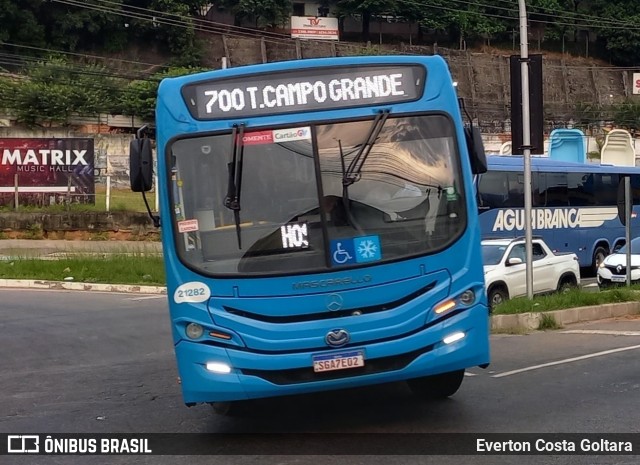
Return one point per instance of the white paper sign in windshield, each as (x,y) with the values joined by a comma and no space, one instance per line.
(304,90)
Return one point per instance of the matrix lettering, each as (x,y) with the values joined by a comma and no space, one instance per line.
(44,157)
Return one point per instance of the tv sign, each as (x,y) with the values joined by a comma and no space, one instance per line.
(314,27)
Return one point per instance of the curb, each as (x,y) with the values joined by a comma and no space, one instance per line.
(71,286)
(531,321)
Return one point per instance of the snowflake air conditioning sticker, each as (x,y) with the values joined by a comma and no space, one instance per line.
(367,249)
(355,250)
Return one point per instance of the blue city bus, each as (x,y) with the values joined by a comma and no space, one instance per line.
(574,205)
(319,227)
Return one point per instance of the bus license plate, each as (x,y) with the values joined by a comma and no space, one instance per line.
(618,279)
(338,361)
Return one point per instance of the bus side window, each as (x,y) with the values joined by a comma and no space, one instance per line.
(607,188)
(553,187)
(515,197)
(635,189)
(581,189)
(493,190)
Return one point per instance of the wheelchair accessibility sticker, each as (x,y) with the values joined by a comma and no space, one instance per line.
(355,250)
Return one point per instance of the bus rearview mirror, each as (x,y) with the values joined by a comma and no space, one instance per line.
(140,165)
(475,147)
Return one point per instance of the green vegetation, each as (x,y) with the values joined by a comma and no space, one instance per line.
(50,48)
(34,231)
(119,268)
(121,200)
(574,298)
(548,322)
(55,90)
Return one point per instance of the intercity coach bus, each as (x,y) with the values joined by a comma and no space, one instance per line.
(575,205)
(320,227)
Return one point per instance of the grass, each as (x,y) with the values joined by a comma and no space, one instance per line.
(572,299)
(122,199)
(108,268)
(141,268)
(548,322)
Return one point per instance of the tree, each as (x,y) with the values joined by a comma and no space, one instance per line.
(627,115)
(139,97)
(619,29)
(366,9)
(462,21)
(19,22)
(264,13)
(54,90)
(94,25)
(164,26)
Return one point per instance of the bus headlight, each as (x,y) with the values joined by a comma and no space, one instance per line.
(218,367)
(468,297)
(451,338)
(194,331)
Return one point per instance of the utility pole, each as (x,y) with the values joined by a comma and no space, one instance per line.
(526,143)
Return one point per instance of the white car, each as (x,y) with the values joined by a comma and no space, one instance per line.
(613,269)
(505,269)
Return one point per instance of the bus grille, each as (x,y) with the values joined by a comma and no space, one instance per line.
(307,375)
(326,315)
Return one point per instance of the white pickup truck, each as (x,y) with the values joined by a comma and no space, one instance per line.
(505,269)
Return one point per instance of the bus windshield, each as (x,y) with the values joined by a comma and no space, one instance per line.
(297,215)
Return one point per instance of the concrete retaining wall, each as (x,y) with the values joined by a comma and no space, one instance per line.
(531,321)
(138,223)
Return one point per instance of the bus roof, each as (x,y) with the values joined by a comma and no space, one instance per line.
(545,164)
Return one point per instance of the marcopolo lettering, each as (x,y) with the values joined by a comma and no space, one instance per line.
(44,157)
(346,281)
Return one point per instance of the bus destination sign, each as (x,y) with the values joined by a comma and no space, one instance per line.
(304,90)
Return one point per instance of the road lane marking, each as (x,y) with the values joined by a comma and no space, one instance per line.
(567,360)
(608,332)
(466,373)
(163,296)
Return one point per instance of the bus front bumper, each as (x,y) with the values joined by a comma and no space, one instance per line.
(254,375)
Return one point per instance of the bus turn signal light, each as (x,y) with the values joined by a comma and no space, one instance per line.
(220,335)
(445,306)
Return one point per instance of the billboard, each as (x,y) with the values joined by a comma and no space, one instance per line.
(636,83)
(314,27)
(46,171)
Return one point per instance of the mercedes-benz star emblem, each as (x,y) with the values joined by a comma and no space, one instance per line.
(337,338)
(334,302)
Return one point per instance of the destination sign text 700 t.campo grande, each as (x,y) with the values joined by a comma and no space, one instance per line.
(304,90)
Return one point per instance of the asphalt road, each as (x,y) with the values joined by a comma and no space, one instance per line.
(98,363)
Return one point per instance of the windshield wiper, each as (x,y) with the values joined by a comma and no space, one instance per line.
(232,200)
(353,173)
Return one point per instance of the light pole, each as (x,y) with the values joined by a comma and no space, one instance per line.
(526,143)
